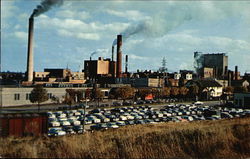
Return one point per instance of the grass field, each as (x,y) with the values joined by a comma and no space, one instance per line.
(205,139)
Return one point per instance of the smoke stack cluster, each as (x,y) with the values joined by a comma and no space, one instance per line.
(119,57)
(30,65)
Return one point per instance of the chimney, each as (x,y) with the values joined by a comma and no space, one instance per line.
(126,64)
(119,57)
(236,73)
(229,78)
(112,58)
(226,71)
(30,67)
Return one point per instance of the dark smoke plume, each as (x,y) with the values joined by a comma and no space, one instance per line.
(45,6)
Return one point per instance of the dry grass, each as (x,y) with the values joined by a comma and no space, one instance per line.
(206,139)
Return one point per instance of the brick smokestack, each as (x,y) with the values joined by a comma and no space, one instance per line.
(30,67)
(119,57)
(236,73)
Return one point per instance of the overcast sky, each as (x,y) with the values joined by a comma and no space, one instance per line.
(68,34)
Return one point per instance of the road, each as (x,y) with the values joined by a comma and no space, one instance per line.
(45,108)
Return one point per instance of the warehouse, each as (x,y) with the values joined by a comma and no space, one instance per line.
(242,100)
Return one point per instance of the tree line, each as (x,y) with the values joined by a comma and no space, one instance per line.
(39,94)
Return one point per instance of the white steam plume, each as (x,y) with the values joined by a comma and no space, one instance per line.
(102,51)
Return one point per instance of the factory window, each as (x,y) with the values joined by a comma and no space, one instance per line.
(27,96)
(17,96)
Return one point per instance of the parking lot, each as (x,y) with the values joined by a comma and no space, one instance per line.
(72,121)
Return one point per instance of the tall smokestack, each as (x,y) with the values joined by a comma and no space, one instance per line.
(119,57)
(236,73)
(126,64)
(30,67)
(112,57)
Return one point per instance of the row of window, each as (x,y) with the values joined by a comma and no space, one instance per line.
(17,96)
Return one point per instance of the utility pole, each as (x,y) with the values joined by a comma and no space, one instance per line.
(84,115)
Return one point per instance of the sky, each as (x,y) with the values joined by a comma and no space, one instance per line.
(69,33)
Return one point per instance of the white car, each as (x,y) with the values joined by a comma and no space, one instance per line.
(62,115)
(105,120)
(64,121)
(54,123)
(198,103)
(123,118)
(74,122)
(130,117)
(77,114)
(160,115)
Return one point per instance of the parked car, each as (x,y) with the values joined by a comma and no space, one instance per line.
(78,128)
(188,118)
(130,122)
(68,129)
(123,118)
(112,125)
(74,122)
(226,115)
(149,121)
(64,122)
(140,122)
(54,123)
(198,103)
(120,123)
(56,132)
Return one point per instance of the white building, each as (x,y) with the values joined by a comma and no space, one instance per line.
(21,96)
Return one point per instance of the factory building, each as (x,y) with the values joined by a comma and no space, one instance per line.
(211,65)
(147,82)
(101,67)
(107,71)
(58,76)
(242,100)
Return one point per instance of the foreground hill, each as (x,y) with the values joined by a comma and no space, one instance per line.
(204,139)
